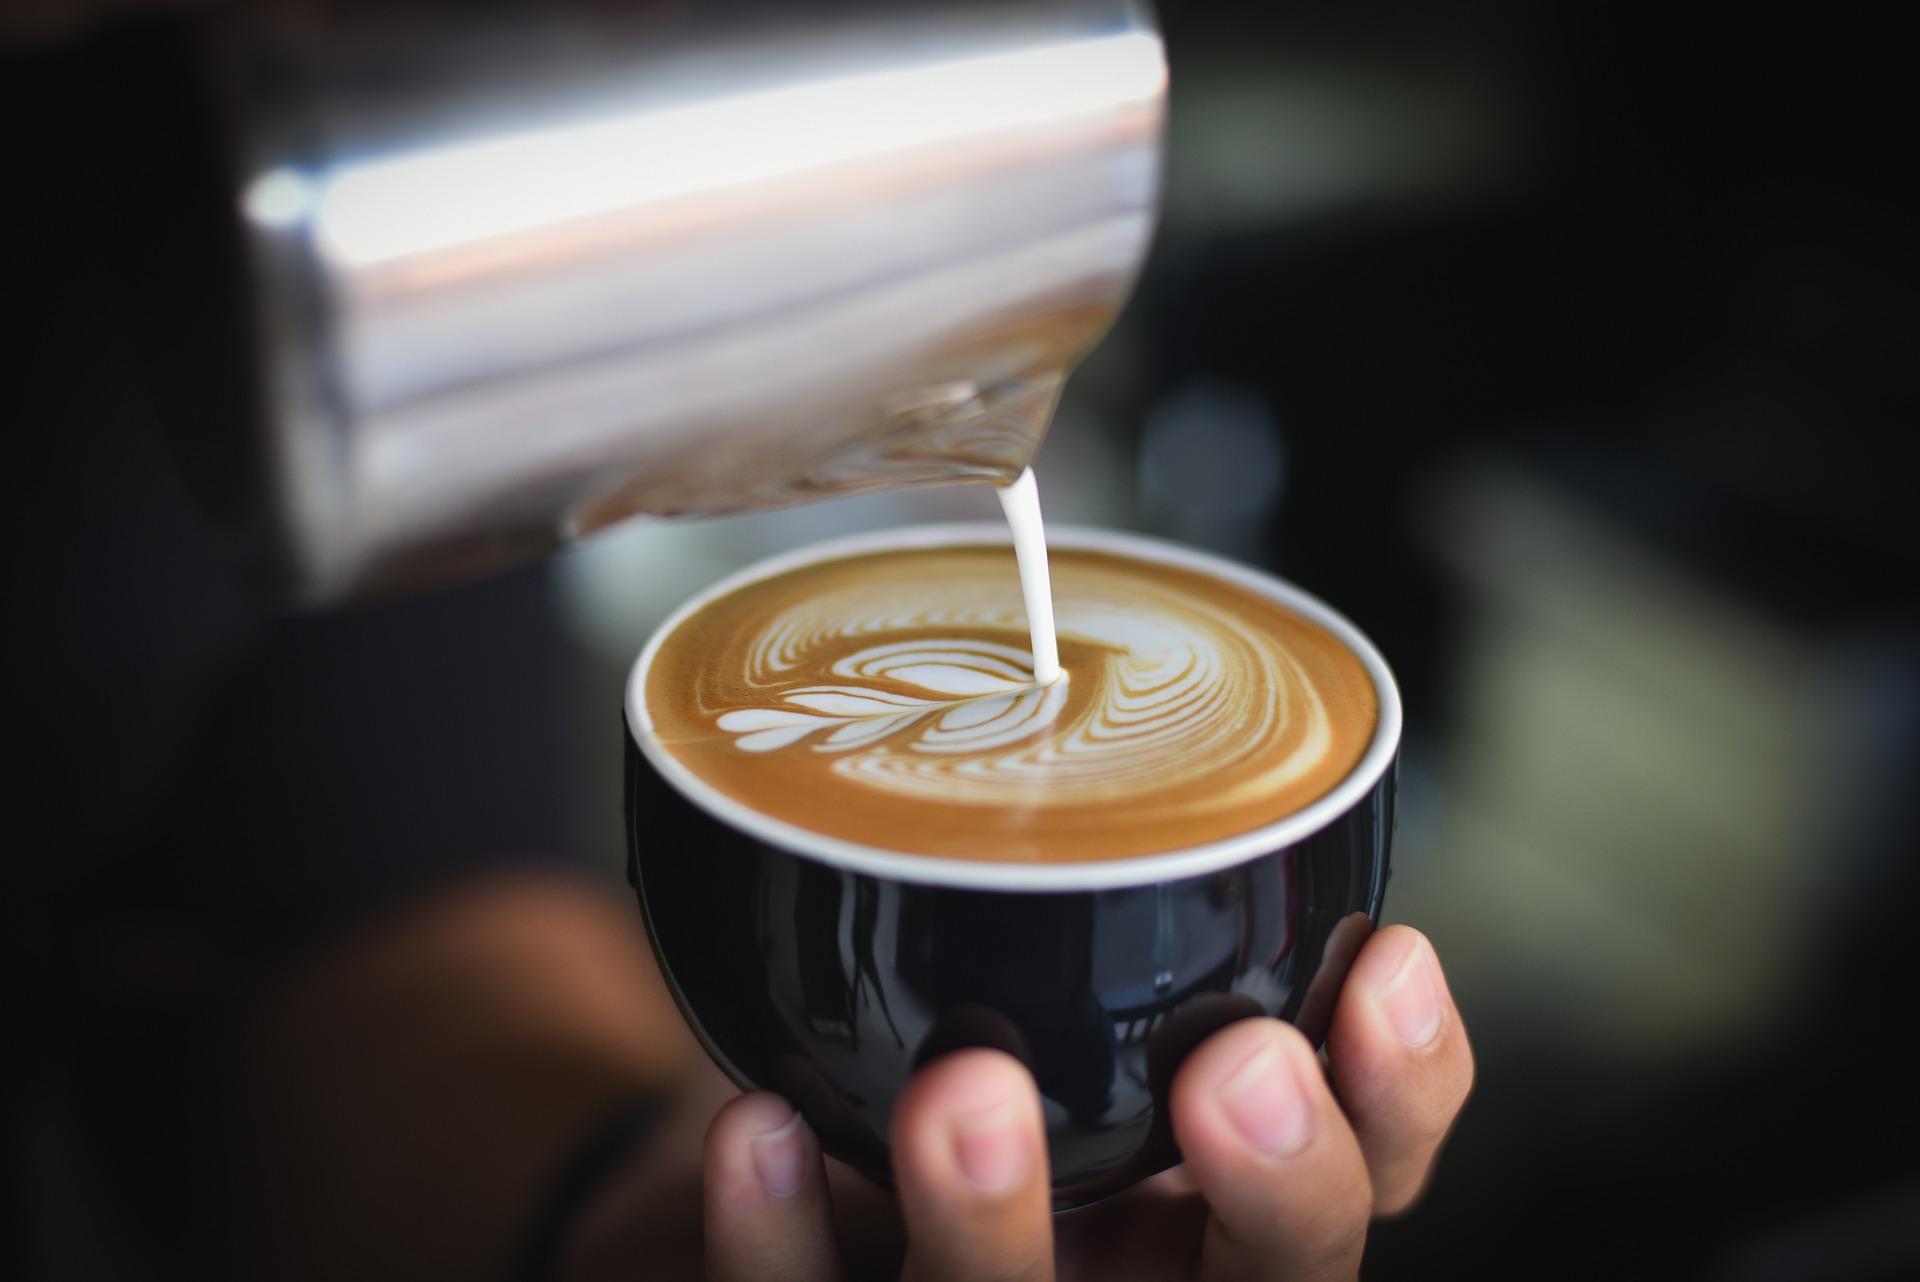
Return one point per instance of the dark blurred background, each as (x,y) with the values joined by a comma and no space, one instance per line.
(1567,346)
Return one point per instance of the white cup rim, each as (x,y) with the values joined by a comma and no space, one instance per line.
(981,874)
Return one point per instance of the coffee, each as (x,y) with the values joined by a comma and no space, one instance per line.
(888,698)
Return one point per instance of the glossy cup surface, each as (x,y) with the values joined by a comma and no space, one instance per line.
(829,971)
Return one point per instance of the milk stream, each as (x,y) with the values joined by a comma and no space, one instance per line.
(1021,502)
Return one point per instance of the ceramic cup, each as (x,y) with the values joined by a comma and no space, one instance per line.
(829,971)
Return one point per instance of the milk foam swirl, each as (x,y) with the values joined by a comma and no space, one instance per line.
(891,686)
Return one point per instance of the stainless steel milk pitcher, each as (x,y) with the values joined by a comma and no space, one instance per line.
(521,270)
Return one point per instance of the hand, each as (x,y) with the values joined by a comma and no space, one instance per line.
(1285,1163)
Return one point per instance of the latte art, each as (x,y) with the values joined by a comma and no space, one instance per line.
(977,698)
(890,699)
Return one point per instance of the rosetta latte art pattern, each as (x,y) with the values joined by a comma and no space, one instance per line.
(889,699)
(1173,692)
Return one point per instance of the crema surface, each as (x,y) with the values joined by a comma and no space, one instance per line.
(888,699)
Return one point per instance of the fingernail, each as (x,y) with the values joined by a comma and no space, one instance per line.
(780,1158)
(993,1148)
(1411,999)
(1264,1102)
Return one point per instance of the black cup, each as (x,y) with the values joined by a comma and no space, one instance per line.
(830,971)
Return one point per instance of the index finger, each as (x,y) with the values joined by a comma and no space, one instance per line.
(1399,1058)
